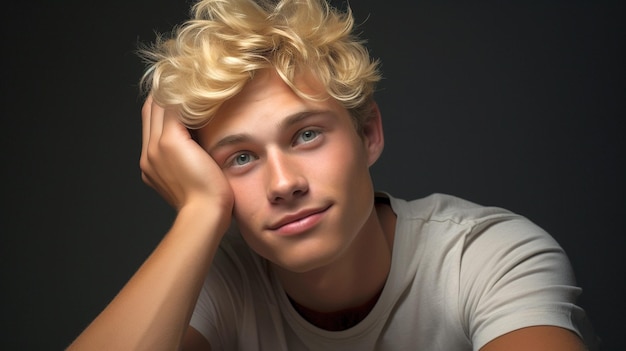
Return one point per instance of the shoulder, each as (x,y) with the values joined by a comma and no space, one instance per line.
(441,219)
(482,238)
(439,207)
(507,272)
(468,221)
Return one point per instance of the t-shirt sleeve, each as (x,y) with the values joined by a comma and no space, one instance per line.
(515,275)
(217,307)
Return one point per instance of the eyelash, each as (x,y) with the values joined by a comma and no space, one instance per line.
(232,161)
(301,133)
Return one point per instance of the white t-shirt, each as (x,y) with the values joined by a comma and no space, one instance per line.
(461,275)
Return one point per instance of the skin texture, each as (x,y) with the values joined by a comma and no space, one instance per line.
(275,170)
(289,158)
(269,158)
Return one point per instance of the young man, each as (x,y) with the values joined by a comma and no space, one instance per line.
(260,129)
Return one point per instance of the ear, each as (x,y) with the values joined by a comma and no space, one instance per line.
(373,135)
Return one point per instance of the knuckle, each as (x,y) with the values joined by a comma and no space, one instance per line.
(166,143)
(152,153)
(144,164)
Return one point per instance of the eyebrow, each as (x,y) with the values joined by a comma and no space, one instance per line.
(283,124)
(230,140)
(298,117)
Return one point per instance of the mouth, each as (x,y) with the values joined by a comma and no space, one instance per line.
(298,222)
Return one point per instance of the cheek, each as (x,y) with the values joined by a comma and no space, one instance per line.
(354,174)
(347,162)
(246,214)
(247,193)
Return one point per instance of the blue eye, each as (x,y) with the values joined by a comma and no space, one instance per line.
(307,136)
(242,159)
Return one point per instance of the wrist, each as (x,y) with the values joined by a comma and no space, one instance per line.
(210,214)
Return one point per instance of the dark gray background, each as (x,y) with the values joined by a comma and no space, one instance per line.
(517,104)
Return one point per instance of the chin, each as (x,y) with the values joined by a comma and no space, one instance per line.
(301,266)
(307,258)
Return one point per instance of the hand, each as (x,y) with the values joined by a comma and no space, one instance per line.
(176,166)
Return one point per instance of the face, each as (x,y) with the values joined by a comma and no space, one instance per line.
(298,169)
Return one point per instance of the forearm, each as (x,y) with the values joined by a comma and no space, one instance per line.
(153,310)
(538,338)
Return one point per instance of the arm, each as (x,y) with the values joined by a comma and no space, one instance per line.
(540,338)
(153,309)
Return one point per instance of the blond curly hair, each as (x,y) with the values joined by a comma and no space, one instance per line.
(210,57)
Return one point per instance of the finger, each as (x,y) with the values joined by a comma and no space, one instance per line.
(145,124)
(156,122)
(173,127)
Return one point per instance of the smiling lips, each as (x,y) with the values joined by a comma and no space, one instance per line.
(298,222)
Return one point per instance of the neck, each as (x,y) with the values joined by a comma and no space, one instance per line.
(340,295)
(338,320)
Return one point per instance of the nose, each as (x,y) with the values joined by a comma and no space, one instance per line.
(285,178)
